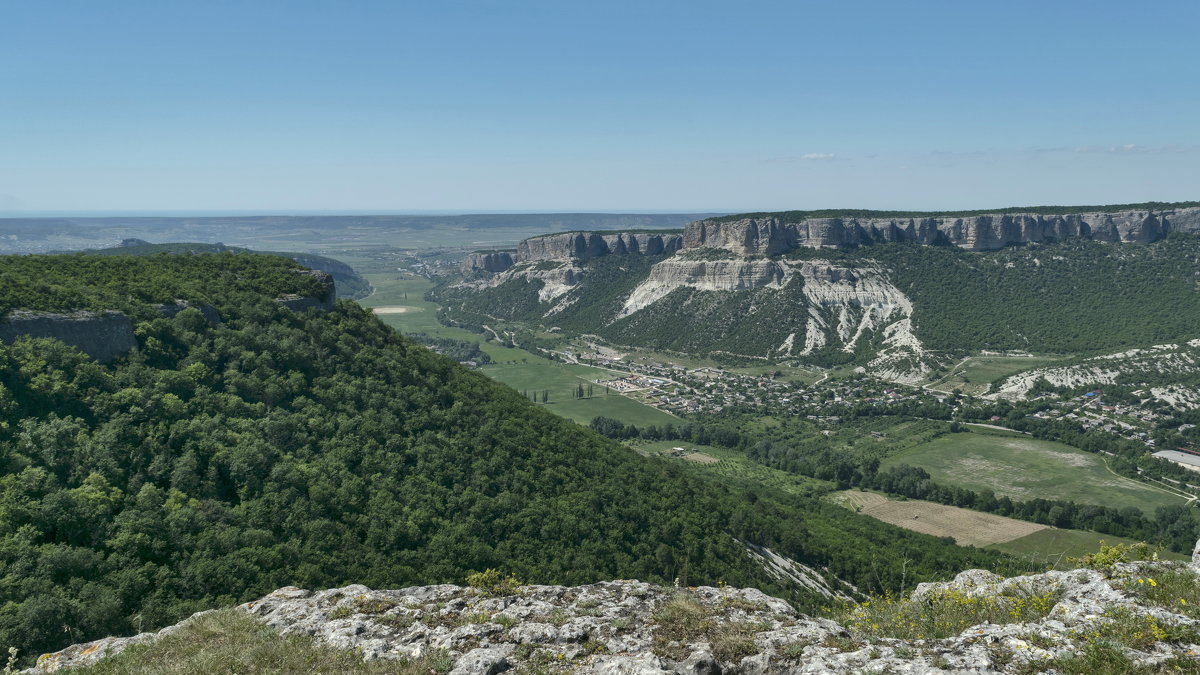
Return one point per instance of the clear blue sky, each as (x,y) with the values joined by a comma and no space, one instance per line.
(600,105)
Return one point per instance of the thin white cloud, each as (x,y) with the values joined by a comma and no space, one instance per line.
(1123,149)
(806,157)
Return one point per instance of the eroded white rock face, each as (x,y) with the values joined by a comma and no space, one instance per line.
(705,275)
(1130,367)
(846,305)
(800,575)
(557,279)
(622,627)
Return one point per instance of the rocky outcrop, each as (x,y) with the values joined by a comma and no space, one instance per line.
(102,335)
(554,279)
(347,282)
(1146,369)
(169,310)
(635,627)
(573,246)
(487,261)
(323,301)
(584,245)
(705,275)
(773,235)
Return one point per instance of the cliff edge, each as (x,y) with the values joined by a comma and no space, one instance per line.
(1130,614)
(775,234)
(101,335)
(107,335)
(575,246)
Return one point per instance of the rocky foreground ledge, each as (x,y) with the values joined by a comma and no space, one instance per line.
(1118,612)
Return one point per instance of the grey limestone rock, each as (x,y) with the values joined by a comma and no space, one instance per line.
(620,627)
(170,310)
(769,235)
(102,335)
(494,261)
(323,301)
(584,245)
(483,661)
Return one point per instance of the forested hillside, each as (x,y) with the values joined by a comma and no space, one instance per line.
(130,283)
(828,306)
(350,284)
(1077,296)
(217,463)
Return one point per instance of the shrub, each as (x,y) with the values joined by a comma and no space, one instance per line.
(1175,590)
(1108,556)
(494,583)
(945,613)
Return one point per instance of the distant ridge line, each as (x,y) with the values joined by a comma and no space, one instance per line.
(1039,210)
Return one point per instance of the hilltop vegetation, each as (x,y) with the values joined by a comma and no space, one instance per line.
(349,283)
(217,463)
(131,283)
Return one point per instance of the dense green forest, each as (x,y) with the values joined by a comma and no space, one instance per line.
(217,463)
(1077,296)
(458,350)
(350,284)
(130,283)
(797,216)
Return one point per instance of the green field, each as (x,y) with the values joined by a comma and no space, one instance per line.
(974,374)
(394,289)
(1023,468)
(560,381)
(517,368)
(1054,546)
(734,466)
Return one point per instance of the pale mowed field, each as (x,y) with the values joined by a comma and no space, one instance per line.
(968,528)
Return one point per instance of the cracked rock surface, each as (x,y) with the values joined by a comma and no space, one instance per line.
(635,627)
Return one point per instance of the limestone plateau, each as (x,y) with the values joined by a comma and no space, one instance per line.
(776,234)
(574,246)
(638,628)
(816,287)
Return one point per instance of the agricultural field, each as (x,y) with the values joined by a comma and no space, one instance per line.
(1024,468)
(734,466)
(560,381)
(394,291)
(1053,546)
(974,374)
(966,527)
(1042,544)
